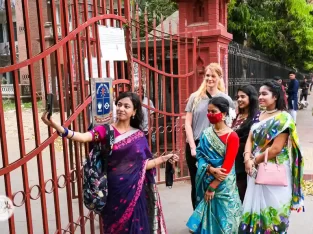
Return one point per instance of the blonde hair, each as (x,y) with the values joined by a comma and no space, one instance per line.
(201,92)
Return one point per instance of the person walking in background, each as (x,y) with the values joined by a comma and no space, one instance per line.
(292,92)
(266,208)
(311,82)
(196,117)
(133,203)
(218,207)
(248,108)
(280,81)
(304,89)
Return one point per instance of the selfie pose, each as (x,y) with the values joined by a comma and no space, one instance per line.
(133,204)
(270,196)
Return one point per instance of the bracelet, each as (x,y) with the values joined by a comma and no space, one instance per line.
(65,132)
(72,135)
(246,153)
(155,165)
(211,189)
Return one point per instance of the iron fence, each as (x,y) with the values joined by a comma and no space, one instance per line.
(247,66)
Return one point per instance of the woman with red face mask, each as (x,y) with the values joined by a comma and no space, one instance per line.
(218,206)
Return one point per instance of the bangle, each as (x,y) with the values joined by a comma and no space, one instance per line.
(246,153)
(211,189)
(65,132)
(155,165)
(72,135)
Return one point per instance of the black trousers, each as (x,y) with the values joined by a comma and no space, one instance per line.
(191,163)
(305,96)
(241,179)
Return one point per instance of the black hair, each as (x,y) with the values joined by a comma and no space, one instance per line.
(277,91)
(138,118)
(252,93)
(221,103)
(277,78)
(291,72)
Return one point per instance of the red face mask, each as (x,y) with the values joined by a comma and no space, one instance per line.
(215,118)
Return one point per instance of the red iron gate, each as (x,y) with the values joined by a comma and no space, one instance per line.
(42,173)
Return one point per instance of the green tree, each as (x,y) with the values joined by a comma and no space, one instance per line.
(282,29)
(155,8)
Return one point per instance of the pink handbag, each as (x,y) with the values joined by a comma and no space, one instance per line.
(271,174)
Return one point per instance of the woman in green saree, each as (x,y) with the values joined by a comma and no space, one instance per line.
(266,209)
(218,206)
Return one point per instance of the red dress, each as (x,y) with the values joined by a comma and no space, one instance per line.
(231,153)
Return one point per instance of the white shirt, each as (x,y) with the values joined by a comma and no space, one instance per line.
(145,122)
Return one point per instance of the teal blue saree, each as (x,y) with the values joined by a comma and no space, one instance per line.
(222,214)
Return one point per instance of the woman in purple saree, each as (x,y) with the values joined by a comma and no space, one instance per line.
(133,203)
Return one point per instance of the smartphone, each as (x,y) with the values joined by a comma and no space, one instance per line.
(254,172)
(49,104)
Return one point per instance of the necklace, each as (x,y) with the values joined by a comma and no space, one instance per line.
(221,130)
(242,116)
(270,112)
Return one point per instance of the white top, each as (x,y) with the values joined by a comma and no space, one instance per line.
(145,111)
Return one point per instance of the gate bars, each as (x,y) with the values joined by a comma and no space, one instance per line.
(156,55)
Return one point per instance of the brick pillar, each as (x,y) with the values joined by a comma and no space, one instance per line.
(205,20)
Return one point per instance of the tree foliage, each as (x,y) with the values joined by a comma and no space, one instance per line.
(155,9)
(282,29)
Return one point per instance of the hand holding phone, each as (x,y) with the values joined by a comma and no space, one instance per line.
(49,104)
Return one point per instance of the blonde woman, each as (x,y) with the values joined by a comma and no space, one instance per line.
(196,118)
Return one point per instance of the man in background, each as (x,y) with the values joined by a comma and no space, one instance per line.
(304,89)
(292,92)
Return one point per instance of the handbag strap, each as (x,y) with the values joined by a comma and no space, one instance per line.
(266,156)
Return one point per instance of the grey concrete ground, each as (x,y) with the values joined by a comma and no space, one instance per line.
(177,209)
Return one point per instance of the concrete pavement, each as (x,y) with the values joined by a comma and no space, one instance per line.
(177,209)
(305,132)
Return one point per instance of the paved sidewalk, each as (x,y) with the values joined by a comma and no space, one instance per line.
(305,131)
(177,209)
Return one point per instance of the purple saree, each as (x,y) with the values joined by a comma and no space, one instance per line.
(133,203)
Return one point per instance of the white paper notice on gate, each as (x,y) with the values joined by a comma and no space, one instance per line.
(112,43)
(94,64)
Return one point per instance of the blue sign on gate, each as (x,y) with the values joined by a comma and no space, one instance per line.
(103,98)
